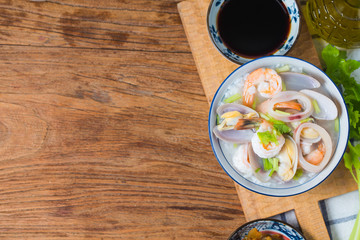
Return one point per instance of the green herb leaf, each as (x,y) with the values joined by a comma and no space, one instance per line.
(339,70)
(279,126)
(267,137)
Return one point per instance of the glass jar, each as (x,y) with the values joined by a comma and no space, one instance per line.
(336,21)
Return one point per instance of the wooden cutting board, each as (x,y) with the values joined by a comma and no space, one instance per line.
(213,68)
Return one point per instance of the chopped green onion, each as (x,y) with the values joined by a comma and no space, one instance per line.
(337,124)
(235,145)
(264,116)
(284,68)
(257,170)
(233,98)
(271,164)
(316,106)
(217,119)
(267,164)
(275,163)
(283,113)
(306,120)
(271,172)
(283,86)
(255,102)
(298,174)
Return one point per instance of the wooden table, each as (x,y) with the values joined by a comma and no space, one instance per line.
(103,124)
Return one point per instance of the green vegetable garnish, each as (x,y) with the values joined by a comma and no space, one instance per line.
(264,116)
(279,126)
(283,86)
(316,106)
(284,68)
(336,123)
(271,164)
(339,70)
(298,174)
(233,98)
(217,119)
(257,170)
(235,145)
(283,113)
(255,102)
(267,137)
(282,128)
(306,120)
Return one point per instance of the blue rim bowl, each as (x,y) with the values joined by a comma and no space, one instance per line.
(213,10)
(290,188)
(287,231)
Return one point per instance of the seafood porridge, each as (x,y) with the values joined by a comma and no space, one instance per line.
(277,124)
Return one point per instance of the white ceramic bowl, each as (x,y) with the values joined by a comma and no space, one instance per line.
(290,188)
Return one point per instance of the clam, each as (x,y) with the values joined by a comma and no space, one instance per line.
(316,159)
(290,97)
(225,130)
(288,160)
(298,81)
(327,108)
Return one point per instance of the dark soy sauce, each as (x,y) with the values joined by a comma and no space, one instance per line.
(253,28)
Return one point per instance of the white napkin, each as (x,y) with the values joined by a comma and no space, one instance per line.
(339,214)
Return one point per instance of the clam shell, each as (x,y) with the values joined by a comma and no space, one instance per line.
(257,166)
(325,137)
(298,81)
(295,159)
(234,136)
(328,109)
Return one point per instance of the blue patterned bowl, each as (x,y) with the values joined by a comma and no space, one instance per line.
(268,226)
(212,14)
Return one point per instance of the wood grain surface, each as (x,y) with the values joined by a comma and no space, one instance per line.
(103,123)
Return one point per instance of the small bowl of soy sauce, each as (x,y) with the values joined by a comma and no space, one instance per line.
(243,30)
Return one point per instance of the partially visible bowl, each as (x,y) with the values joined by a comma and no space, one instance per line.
(270,226)
(289,188)
(212,25)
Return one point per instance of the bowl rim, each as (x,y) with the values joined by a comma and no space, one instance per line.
(263,193)
(251,59)
(267,220)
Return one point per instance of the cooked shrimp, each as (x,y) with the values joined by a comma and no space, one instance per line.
(315,157)
(241,159)
(266,81)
